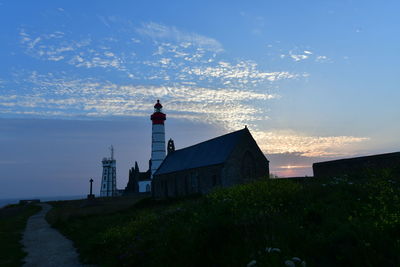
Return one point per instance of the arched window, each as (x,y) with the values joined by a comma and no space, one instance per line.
(248,166)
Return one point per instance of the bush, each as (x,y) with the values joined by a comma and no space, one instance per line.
(264,223)
(13,220)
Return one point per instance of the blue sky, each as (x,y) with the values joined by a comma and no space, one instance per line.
(313,80)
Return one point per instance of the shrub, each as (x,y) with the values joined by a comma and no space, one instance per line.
(324,223)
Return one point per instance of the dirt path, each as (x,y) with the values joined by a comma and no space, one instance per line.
(46,246)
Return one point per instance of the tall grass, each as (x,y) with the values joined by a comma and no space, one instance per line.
(13,220)
(324,223)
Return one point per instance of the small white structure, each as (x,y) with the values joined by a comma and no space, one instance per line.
(145,186)
(109,176)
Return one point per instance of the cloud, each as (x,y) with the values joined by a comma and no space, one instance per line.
(52,94)
(162,32)
(298,57)
(56,46)
(288,141)
(97,61)
(186,70)
(323,59)
(104,21)
(294,166)
(256,22)
(171,57)
(243,73)
(55,95)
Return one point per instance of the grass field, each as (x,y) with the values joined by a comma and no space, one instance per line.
(335,222)
(13,220)
(69,209)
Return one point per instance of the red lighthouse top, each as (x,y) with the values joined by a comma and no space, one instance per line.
(158,117)
(158,106)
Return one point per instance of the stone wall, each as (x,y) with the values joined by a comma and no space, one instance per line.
(187,182)
(359,167)
(237,169)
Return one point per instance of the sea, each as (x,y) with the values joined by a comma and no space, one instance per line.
(5,202)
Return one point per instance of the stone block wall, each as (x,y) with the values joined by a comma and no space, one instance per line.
(359,167)
(187,182)
(246,152)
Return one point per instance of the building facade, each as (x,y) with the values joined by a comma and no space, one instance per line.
(139,182)
(109,177)
(224,161)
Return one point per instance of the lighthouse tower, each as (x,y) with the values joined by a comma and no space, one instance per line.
(109,176)
(157,138)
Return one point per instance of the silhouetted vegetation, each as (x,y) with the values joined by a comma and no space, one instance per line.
(333,222)
(13,220)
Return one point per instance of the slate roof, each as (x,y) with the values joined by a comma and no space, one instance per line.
(211,152)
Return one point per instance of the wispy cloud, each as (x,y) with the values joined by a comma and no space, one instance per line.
(56,46)
(323,59)
(243,73)
(53,95)
(171,56)
(163,32)
(287,141)
(294,166)
(257,22)
(187,71)
(298,55)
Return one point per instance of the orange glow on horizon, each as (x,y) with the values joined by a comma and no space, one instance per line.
(292,170)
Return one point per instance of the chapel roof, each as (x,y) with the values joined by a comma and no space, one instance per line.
(211,152)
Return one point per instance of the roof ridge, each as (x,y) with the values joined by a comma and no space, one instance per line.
(209,152)
(209,140)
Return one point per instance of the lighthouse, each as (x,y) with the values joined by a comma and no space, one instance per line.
(157,137)
(109,176)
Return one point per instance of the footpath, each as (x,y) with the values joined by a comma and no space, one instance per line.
(46,246)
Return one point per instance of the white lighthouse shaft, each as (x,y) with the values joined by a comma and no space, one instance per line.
(157,147)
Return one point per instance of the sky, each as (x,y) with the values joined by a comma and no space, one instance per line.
(312,80)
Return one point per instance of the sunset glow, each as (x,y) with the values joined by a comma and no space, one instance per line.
(312,81)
